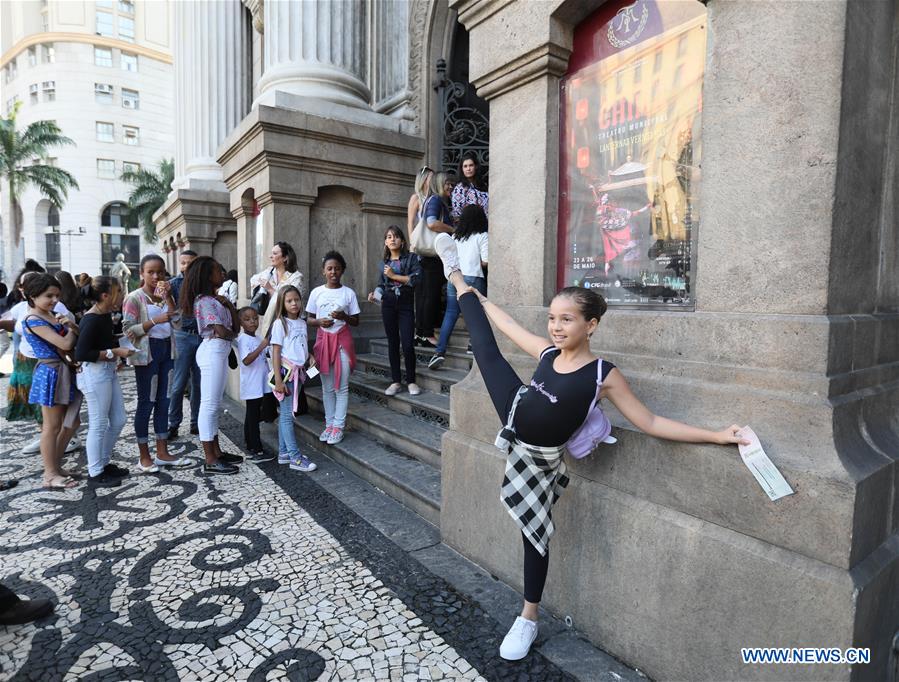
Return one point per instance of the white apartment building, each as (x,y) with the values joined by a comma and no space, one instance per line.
(103,72)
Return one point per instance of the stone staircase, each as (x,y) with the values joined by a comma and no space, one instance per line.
(394,441)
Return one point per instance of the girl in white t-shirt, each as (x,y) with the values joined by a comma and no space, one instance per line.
(333,308)
(290,354)
(253,380)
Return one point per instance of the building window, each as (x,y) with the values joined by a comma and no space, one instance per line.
(128,61)
(106,169)
(102,56)
(49,88)
(49,53)
(131,135)
(682,45)
(111,245)
(105,132)
(114,215)
(657,66)
(10,104)
(54,264)
(130,99)
(104,24)
(678,75)
(52,216)
(126,29)
(32,56)
(104,4)
(130,167)
(638,72)
(13,70)
(126,7)
(33,93)
(103,93)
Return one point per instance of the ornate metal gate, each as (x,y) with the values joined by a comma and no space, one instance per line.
(465,122)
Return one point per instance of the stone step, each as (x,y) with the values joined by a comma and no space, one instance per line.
(401,432)
(438,381)
(456,358)
(433,408)
(410,482)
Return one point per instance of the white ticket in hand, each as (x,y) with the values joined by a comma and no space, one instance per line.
(311,373)
(768,476)
(125,342)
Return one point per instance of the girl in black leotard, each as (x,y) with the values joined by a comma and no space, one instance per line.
(541,417)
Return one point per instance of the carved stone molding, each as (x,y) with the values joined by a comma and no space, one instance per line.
(548,59)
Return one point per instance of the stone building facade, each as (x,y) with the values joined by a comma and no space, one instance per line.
(667,555)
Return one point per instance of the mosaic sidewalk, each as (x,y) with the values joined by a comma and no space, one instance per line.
(258,576)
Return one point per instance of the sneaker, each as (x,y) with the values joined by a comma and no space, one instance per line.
(259,457)
(424,342)
(115,470)
(283,458)
(73,445)
(518,640)
(179,463)
(221,468)
(325,435)
(104,480)
(393,389)
(302,463)
(336,435)
(231,458)
(33,447)
(445,246)
(173,433)
(152,469)
(414,389)
(26,611)
(436,361)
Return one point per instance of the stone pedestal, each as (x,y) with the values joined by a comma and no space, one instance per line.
(669,555)
(195,219)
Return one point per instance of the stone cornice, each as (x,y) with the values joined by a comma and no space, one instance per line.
(88,38)
(382,209)
(474,12)
(268,198)
(548,59)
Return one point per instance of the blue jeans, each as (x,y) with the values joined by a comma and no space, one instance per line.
(287,439)
(152,392)
(334,397)
(106,412)
(186,345)
(452,310)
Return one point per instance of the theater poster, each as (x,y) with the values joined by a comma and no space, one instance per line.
(630,160)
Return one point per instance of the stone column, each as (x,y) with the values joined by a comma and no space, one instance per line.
(389,57)
(316,48)
(211,86)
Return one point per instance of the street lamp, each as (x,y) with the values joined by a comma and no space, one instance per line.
(81,231)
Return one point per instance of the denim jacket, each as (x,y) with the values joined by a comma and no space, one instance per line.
(410,266)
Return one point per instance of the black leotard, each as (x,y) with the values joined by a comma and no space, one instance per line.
(556,404)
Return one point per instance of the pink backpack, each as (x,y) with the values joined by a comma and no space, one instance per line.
(596,428)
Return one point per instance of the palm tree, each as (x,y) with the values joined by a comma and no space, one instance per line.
(17,151)
(151,189)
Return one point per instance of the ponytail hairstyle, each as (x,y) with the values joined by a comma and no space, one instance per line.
(590,303)
(68,292)
(99,285)
(423,185)
(472,221)
(150,257)
(289,255)
(36,284)
(280,312)
(197,282)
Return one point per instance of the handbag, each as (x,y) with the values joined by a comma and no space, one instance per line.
(596,428)
(422,239)
(232,359)
(260,299)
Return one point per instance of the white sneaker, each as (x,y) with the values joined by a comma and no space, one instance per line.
(445,246)
(32,447)
(336,435)
(73,445)
(393,389)
(518,640)
(414,389)
(180,463)
(325,435)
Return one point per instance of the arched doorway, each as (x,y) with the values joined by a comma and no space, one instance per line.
(464,118)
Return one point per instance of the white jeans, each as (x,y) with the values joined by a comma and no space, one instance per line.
(212,359)
(336,398)
(99,383)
